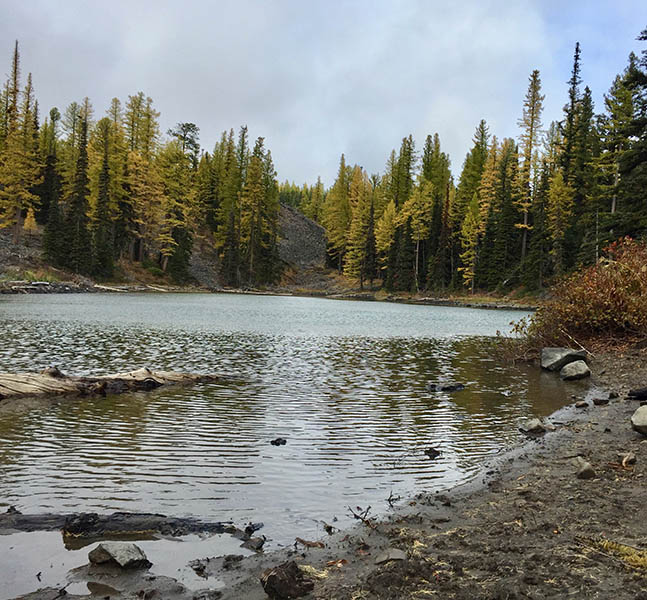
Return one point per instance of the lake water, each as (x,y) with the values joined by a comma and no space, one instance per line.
(344,382)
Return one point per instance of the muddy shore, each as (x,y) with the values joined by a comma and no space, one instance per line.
(527,527)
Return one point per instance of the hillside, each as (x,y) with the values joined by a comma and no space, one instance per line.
(302,250)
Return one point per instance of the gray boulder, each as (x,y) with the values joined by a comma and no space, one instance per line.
(639,420)
(125,554)
(534,426)
(554,359)
(575,370)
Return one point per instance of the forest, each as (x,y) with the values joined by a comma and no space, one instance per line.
(521,214)
(113,189)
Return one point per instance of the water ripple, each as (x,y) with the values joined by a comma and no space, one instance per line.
(345,383)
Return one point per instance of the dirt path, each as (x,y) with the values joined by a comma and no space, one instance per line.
(528,528)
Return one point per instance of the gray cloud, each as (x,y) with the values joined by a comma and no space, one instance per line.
(317,77)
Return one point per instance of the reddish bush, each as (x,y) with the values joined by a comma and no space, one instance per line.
(604,304)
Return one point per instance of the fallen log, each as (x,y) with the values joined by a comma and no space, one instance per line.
(51,382)
(81,529)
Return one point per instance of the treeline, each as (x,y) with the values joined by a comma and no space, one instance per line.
(113,188)
(522,212)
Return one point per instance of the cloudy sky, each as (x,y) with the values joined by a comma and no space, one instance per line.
(320,77)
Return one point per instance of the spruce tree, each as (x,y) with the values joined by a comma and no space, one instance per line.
(530,139)
(77,253)
(103,230)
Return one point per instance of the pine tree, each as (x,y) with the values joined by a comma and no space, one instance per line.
(633,160)
(559,212)
(19,162)
(337,214)
(174,237)
(530,139)
(570,113)
(103,230)
(77,254)
(251,213)
(469,240)
(355,263)
(418,210)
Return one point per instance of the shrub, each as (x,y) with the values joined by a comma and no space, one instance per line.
(602,305)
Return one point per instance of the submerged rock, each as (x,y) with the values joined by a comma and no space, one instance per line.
(554,359)
(446,387)
(126,554)
(575,370)
(432,452)
(639,420)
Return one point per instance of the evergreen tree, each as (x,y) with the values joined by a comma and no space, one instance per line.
(103,233)
(174,238)
(337,214)
(633,159)
(570,116)
(559,212)
(355,263)
(77,253)
(530,123)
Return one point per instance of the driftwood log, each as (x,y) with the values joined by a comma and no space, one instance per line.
(51,382)
(80,529)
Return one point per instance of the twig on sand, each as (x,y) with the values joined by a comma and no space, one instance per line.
(362,515)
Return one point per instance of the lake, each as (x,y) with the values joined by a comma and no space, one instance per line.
(345,383)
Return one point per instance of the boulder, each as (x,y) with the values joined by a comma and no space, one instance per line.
(126,554)
(534,426)
(639,420)
(575,370)
(554,359)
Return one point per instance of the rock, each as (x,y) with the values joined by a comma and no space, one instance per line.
(446,387)
(582,404)
(389,555)
(534,426)
(586,470)
(575,370)
(279,441)
(432,453)
(126,554)
(600,401)
(639,394)
(554,359)
(255,544)
(639,420)
(286,581)
(613,395)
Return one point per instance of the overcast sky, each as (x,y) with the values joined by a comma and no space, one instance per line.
(320,77)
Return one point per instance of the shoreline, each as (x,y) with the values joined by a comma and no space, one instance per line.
(525,527)
(69,287)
